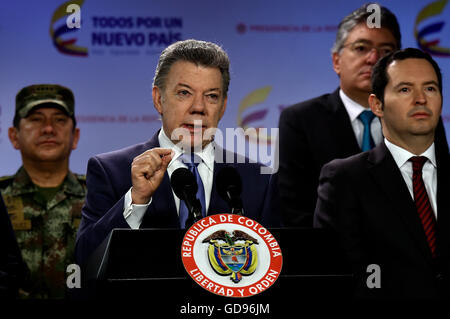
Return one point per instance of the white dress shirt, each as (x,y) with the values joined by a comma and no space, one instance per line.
(354,110)
(429,170)
(134,213)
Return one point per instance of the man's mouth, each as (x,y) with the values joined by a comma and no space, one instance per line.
(420,115)
(49,142)
(193,128)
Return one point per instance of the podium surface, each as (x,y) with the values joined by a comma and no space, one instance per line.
(147,264)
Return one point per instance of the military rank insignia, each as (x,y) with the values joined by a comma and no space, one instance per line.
(231,255)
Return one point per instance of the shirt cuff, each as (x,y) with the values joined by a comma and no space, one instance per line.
(133,213)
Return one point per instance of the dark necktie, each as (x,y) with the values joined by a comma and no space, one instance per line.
(423,202)
(366,118)
(192,162)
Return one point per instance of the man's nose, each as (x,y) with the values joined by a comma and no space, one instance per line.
(373,56)
(48,126)
(420,97)
(198,105)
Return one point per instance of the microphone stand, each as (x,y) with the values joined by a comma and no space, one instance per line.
(235,202)
(195,210)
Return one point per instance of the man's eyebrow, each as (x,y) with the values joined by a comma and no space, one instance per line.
(431,82)
(39,112)
(184,85)
(402,84)
(363,40)
(187,86)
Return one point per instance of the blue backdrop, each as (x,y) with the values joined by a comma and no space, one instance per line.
(279,51)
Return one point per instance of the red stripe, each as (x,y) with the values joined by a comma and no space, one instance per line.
(422,202)
(420,208)
(426,221)
(419,193)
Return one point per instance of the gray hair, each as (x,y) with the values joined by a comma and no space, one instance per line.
(202,53)
(360,15)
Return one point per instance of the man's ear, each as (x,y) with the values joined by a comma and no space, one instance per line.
(13,137)
(336,59)
(157,99)
(376,105)
(76,138)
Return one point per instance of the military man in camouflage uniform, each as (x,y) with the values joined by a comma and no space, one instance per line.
(44,198)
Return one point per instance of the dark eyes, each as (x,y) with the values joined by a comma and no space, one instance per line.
(365,48)
(213,96)
(183,92)
(39,119)
(428,88)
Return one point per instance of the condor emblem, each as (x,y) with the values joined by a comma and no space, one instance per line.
(231,255)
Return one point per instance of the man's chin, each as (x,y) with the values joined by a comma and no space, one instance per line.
(365,85)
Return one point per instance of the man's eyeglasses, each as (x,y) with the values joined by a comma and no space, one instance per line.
(364,48)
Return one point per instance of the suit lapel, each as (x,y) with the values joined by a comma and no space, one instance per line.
(341,127)
(388,177)
(162,212)
(163,207)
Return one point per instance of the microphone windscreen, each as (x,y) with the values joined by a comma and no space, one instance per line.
(183,182)
(228,177)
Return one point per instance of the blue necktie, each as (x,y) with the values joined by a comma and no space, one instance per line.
(366,118)
(192,162)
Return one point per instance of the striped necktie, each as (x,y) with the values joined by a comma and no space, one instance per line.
(422,202)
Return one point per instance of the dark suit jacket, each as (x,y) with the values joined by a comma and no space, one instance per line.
(13,270)
(312,133)
(109,178)
(365,200)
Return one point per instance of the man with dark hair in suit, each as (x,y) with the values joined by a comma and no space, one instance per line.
(335,125)
(390,206)
(130,188)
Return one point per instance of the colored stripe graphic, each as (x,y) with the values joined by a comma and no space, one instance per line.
(431,46)
(66,46)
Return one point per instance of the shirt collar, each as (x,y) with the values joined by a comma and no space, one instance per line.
(353,109)
(401,156)
(206,154)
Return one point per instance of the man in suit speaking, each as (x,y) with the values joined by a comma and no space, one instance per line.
(390,205)
(130,188)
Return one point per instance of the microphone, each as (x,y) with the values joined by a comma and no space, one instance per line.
(229,187)
(185,187)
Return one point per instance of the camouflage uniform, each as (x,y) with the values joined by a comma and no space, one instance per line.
(45,232)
